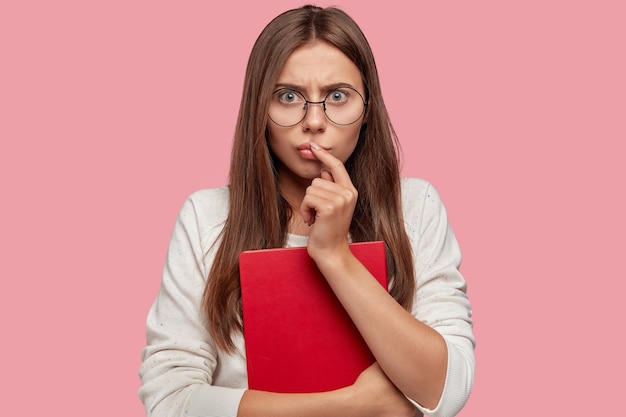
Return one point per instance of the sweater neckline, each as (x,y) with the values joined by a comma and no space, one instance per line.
(294,241)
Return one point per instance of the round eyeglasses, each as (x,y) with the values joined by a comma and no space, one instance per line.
(343,106)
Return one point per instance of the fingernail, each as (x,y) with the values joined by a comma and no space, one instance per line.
(315,146)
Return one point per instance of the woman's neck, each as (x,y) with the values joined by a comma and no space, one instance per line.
(293,190)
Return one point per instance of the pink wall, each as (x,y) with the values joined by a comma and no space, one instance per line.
(111,114)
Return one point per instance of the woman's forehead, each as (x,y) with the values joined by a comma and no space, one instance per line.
(317,65)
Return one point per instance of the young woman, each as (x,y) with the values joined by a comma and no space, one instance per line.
(313,164)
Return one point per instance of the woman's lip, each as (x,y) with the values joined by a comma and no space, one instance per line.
(307,146)
(305,151)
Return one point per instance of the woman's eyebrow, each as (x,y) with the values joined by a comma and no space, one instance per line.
(325,88)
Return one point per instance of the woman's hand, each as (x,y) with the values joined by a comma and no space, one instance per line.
(378,397)
(328,206)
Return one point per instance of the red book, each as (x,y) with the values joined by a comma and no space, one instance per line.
(298,336)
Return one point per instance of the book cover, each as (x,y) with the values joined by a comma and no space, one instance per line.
(298,336)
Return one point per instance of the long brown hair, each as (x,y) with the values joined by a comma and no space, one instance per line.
(258,214)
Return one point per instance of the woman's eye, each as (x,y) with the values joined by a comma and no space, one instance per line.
(337,96)
(288,97)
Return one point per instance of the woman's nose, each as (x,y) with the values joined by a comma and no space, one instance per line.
(315,118)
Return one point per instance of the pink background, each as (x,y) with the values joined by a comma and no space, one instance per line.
(112,112)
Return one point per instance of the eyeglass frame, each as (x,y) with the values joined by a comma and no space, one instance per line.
(323,103)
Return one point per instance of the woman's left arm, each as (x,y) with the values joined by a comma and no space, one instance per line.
(427,353)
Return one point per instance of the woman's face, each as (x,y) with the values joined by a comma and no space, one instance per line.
(317,71)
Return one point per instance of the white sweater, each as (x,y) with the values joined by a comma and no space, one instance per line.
(184,374)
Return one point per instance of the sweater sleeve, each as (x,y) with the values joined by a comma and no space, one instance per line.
(180,358)
(441,300)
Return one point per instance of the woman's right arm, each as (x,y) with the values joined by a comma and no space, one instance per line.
(180,359)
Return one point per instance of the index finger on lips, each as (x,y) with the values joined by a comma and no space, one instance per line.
(334,166)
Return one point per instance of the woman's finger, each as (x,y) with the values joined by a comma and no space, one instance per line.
(333,165)
(326,175)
